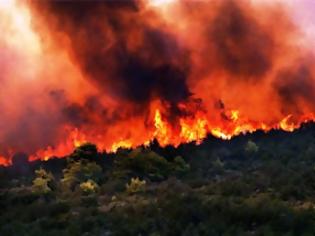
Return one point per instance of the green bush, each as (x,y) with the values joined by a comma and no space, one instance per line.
(80,171)
(43,182)
(136,185)
(89,187)
(251,147)
(180,166)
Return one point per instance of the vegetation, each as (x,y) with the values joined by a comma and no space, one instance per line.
(136,186)
(258,184)
(79,171)
(43,182)
(89,187)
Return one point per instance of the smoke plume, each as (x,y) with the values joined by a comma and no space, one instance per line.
(122,73)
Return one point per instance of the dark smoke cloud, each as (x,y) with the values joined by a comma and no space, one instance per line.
(90,113)
(101,34)
(295,85)
(242,46)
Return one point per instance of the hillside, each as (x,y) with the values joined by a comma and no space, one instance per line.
(255,184)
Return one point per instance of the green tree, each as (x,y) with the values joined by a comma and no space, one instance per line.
(142,163)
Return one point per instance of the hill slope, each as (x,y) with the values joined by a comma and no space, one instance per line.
(256,184)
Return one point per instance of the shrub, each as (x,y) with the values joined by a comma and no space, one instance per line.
(43,183)
(143,163)
(148,164)
(89,187)
(251,147)
(136,185)
(80,171)
(180,166)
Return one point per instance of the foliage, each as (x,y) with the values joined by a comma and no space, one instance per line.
(180,166)
(251,147)
(89,187)
(86,150)
(209,189)
(148,164)
(136,185)
(79,171)
(43,182)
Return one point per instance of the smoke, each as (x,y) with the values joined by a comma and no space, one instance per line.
(98,71)
(242,46)
(295,86)
(120,51)
(30,117)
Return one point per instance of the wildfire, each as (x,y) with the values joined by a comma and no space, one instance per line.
(196,131)
(234,115)
(190,131)
(131,72)
(286,125)
(121,144)
(161,130)
(217,132)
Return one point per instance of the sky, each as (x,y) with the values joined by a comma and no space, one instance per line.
(303,13)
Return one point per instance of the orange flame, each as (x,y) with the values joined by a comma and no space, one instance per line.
(285,125)
(190,130)
(162,132)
